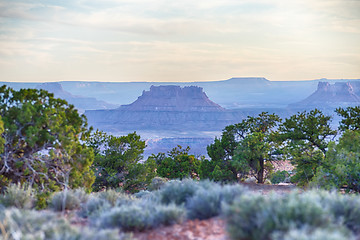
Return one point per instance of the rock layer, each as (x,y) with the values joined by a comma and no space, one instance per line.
(332,95)
(173,98)
(166,108)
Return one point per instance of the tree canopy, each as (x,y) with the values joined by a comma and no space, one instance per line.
(43,141)
(117,161)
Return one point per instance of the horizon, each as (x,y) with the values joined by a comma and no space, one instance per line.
(187,41)
(204,81)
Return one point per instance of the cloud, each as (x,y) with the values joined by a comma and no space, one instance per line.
(183,40)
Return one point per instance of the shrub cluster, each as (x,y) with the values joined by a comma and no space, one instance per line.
(202,199)
(295,216)
(35,225)
(66,200)
(141,215)
(19,196)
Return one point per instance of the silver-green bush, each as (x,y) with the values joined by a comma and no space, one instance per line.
(345,208)
(46,225)
(257,216)
(111,196)
(17,195)
(178,192)
(156,183)
(65,200)
(141,215)
(207,201)
(94,206)
(314,234)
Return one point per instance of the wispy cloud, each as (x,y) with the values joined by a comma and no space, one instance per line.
(184,40)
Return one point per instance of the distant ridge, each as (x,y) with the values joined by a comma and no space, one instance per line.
(80,102)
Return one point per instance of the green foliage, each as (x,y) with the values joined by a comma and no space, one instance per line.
(42,199)
(243,148)
(342,164)
(157,183)
(42,141)
(19,196)
(179,164)
(117,162)
(279,176)
(351,118)
(306,136)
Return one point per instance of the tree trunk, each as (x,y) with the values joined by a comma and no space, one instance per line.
(260,174)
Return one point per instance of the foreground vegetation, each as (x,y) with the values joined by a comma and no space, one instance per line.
(114,214)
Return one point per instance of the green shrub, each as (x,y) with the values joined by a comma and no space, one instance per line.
(341,166)
(316,234)
(17,195)
(257,216)
(344,208)
(111,195)
(207,201)
(278,177)
(34,225)
(230,192)
(178,191)
(94,206)
(141,215)
(42,199)
(157,183)
(65,200)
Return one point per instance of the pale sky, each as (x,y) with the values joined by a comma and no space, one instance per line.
(185,40)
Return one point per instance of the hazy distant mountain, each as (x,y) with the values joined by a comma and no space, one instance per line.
(231,94)
(328,95)
(81,103)
(173,98)
(166,108)
(234,93)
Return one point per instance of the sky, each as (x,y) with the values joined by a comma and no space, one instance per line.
(186,40)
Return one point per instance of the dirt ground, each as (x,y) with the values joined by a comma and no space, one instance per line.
(210,229)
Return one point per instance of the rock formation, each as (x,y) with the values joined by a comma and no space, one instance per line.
(332,95)
(173,98)
(165,108)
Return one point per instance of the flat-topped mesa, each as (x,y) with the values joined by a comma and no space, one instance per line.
(173,98)
(335,95)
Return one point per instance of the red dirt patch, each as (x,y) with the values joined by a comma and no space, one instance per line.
(210,229)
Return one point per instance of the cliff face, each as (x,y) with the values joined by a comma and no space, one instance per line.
(165,108)
(173,98)
(331,95)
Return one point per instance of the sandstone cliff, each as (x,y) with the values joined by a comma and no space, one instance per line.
(166,108)
(338,94)
(173,98)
